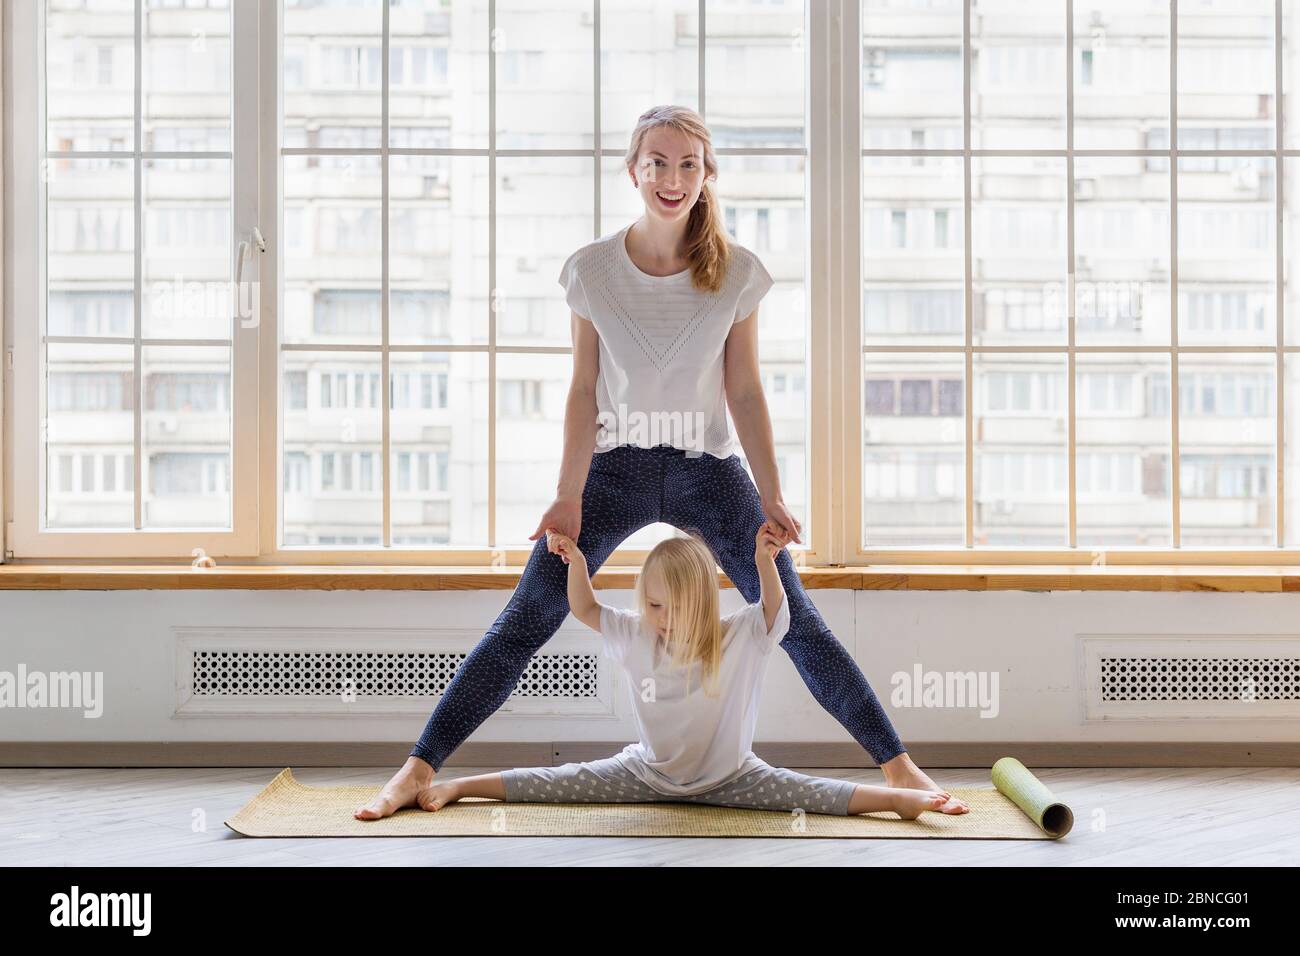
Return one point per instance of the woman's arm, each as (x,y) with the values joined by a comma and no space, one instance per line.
(748,405)
(581,425)
(580,422)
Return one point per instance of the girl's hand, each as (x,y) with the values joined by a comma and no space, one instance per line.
(784,523)
(565,516)
(767,542)
(564,546)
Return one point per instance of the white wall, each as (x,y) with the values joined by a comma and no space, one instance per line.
(1029,638)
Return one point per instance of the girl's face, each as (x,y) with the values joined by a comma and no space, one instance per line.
(669,173)
(656,598)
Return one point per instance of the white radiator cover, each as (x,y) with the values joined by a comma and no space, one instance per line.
(1221,676)
(370,672)
(1034,642)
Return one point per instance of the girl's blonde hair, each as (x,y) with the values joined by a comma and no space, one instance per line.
(708,246)
(689,573)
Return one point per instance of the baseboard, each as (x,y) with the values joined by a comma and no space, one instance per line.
(788,754)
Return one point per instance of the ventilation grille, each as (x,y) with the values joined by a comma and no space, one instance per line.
(375,674)
(1181,676)
(1244,679)
(372,672)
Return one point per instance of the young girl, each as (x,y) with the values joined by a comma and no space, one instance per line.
(695,680)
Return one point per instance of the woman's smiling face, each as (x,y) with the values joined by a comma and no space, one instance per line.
(671,164)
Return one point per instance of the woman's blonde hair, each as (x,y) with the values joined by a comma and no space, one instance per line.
(708,248)
(689,573)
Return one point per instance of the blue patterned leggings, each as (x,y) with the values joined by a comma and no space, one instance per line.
(628,488)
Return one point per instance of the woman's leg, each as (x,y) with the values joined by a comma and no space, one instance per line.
(717,498)
(617,500)
(620,497)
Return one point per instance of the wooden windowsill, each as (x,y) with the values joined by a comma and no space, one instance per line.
(931,577)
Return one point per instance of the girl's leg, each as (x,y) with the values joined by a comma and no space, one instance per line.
(717,498)
(776,788)
(907,803)
(606,781)
(594,781)
(442,792)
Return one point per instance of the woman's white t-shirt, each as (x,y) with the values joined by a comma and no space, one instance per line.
(661,345)
(691,742)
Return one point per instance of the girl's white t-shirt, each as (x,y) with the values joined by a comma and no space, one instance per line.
(661,345)
(690,742)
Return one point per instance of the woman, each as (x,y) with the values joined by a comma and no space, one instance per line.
(665,340)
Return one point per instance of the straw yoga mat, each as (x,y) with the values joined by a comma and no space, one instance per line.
(287,808)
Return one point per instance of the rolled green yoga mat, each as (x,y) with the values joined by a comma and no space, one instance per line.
(1014,781)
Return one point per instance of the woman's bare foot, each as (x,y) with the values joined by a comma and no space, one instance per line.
(910,804)
(405,789)
(901,772)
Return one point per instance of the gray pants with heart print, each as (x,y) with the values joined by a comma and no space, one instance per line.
(610,781)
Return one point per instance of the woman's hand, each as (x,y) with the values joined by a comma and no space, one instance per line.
(786,524)
(565,516)
(767,542)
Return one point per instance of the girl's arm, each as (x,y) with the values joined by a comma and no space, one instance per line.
(582,599)
(766,545)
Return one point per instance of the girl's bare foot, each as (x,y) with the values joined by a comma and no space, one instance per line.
(438,795)
(404,790)
(901,772)
(910,804)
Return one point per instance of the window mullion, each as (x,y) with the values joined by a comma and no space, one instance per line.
(6,356)
(492,278)
(1175,491)
(1279,395)
(967,280)
(245,162)
(386,388)
(841,112)
(265,103)
(1071,477)
(137,380)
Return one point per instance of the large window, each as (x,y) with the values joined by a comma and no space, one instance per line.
(439,161)
(292,291)
(1074,328)
(135,402)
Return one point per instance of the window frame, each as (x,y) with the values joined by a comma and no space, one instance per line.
(25,197)
(850,323)
(820,25)
(834,382)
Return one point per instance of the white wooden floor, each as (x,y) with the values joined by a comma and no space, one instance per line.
(1123,817)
